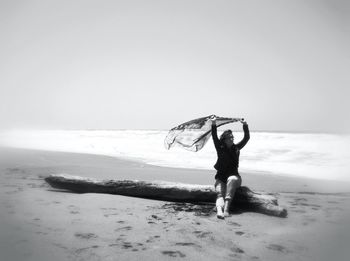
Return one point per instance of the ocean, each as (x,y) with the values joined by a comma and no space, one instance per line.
(309,155)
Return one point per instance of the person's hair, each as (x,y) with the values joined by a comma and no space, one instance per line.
(225,134)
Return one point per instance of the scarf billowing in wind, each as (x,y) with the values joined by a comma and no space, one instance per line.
(194,134)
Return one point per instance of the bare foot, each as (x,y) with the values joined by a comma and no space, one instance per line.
(220,213)
(227,208)
(220,216)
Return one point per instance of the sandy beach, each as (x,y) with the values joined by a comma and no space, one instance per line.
(41,223)
(131,90)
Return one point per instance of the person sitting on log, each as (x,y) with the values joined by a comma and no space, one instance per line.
(227,178)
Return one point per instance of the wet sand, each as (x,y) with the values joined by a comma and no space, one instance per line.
(40,223)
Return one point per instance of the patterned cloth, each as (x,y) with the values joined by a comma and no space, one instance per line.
(194,134)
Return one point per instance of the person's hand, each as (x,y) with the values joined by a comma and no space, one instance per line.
(212,118)
(244,122)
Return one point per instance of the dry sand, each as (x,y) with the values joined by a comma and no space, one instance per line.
(40,223)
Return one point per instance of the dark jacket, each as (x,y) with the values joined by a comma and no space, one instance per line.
(228,158)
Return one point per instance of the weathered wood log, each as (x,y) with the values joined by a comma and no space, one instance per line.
(169,191)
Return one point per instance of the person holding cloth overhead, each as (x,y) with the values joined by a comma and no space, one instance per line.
(227,178)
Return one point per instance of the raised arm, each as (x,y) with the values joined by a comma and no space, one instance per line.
(246,137)
(214,133)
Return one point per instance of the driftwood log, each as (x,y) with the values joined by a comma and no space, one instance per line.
(169,191)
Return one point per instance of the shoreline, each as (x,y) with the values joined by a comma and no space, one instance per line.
(259,180)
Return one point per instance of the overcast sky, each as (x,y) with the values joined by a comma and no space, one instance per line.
(282,65)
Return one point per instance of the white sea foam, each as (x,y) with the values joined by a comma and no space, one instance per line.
(319,156)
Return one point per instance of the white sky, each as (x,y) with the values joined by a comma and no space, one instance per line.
(282,65)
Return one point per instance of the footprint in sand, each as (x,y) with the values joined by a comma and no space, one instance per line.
(186,244)
(153,218)
(73,209)
(311,205)
(152,239)
(129,245)
(234,223)
(112,214)
(303,202)
(143,248)
(156,217)
(237,250)
(111,210)
(121,237)
(60,246)
(85,235)
(126,245)
(202,234)
(127,228)
(278,248)
(173,253)
(80,250)
(41,233)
